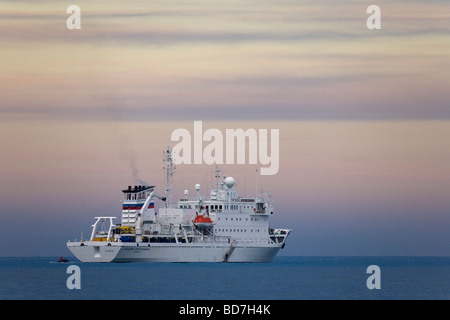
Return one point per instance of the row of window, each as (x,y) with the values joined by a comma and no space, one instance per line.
(136,196)
(235,230)
(240,219)
(216,207)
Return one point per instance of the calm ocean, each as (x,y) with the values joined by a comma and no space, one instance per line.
(287,278)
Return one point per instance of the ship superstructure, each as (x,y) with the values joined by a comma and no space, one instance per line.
(223,227)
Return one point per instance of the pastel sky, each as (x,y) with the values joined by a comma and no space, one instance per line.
(364,115)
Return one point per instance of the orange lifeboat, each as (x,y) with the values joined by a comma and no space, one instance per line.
(202,221)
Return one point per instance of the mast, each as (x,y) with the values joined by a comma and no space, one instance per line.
(218,174)
(168,166)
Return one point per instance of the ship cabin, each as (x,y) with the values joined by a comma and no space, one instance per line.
(235,217)
(133,200)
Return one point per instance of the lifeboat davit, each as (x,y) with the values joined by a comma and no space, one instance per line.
(203,222)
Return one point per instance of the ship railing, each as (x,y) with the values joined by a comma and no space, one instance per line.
(279,236)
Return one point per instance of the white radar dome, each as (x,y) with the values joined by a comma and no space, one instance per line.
(197,187)
(229,182)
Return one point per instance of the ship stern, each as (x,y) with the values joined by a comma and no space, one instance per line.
(92,251)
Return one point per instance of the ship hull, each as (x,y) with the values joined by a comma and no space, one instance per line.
(173,252)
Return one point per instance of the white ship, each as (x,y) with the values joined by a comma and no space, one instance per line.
(222,228)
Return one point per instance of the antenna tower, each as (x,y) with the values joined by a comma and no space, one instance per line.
(168,166)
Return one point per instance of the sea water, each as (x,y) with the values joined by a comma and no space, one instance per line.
(287,278)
